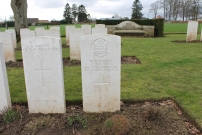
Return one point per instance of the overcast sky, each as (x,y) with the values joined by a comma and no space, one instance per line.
(53,9)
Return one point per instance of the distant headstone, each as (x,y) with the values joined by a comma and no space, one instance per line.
(5,101)
(14,36)
(68,31)
(201,36)
(40,31)
(55,28)
(192,31)
(87,29)
(43,69)
(49,33)
(26,33)
(75,49)
(99,30)
(100,26)
(9,51)
(101,72)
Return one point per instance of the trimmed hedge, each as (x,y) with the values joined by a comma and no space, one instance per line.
(9,24)
(158,24)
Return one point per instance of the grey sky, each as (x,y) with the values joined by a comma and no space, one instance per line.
(53,9)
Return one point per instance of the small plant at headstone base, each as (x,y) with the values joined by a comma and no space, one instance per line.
(152,113)
(10,115)
(116,125)
(75,120)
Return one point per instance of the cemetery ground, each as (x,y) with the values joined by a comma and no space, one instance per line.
(168,70)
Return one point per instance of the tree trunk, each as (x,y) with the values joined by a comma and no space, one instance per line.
(19,8)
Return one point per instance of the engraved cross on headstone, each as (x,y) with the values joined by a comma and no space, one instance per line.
(100,85)
(42,69)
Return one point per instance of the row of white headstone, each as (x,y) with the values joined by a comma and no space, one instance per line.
(73,37)
(192,31)
(8,38)
(43,70)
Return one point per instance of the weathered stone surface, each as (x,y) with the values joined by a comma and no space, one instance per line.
(101,72)
(9,51)
(149,31)
(100,26)
(110,29)
(14,36)
(43,69)
(5,101)
(99,30)
(87,29)
(75,49)
(68,30)
(132,29)
(192,31)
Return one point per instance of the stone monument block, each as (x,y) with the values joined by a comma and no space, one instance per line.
(101,72)
(43,69)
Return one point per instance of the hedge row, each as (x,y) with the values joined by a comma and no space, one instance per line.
(12,24)
(158,24)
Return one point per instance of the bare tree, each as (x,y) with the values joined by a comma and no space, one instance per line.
(154,7)
(19,8)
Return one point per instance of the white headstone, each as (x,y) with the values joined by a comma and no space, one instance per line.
(192,31)
(40,32)
(43,69)
(100,26)
(87,29)
(9,51)
(75,49)
(201,35)
(5,101)
(55,28)
(14,36)
(26,33)
(48,33)
(68,31)
(99,30)
(101,72)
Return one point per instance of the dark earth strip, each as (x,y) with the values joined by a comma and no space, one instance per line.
(68,62)
(153,118)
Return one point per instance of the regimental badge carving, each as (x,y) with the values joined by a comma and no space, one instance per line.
(100,47)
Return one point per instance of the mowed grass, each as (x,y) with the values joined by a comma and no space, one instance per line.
(167,69)
(178,27)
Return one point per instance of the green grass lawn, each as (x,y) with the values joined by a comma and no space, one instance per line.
(167,69)
(178,27)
